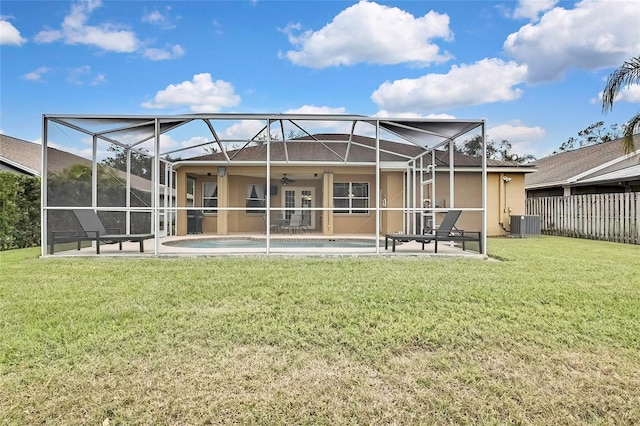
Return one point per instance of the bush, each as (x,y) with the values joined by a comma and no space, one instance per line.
(19,211)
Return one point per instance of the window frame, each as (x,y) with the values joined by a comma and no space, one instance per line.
(255,205)
(191,192)
(349,209)
(213,197)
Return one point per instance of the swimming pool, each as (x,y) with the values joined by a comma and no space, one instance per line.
(198,243)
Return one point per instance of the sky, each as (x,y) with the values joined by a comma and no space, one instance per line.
(533,69)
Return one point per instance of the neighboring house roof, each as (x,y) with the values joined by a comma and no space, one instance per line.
(26,157)
(335,147)
(600,163)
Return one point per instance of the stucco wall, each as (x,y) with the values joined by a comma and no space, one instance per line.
(357,223)
(503,199)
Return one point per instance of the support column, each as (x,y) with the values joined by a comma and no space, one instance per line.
(327,203)
(223,202)
(181,191)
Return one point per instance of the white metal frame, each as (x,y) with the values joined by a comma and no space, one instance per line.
(429,134)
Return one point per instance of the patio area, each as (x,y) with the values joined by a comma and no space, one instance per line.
(306,244)
(379,177)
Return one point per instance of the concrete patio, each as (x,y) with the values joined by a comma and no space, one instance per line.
(165,249)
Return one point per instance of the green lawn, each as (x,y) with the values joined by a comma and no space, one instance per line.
(548,332)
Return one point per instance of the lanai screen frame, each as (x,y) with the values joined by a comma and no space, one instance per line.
(429,134)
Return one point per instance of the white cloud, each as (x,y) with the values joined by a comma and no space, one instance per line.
(48,36)
(244,129)
(170,52)
(162,19)
(372,33)
(84,76)
(321,126)
(629,94)
(312,109)
(531,9)
(74,30)
(486,81)
(111,37)
(36,75)
(217,27)
(9,35)
(247,129)
(200,95)
(521,137)
(189,148)
(387,114)
(593,35)
(195,140)
(167,143)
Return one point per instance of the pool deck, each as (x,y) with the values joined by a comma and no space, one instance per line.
(410,248)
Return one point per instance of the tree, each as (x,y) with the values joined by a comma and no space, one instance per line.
(628,74)
(19,211)
(496,151)
(140,161)
(592,135)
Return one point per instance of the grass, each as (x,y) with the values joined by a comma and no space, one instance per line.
(547,334)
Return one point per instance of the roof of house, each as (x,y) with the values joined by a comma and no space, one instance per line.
(591,164)
(27,156)
(335,147)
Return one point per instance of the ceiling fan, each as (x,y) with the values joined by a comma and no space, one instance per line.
(285,180)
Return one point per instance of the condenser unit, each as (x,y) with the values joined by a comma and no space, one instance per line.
(524,225)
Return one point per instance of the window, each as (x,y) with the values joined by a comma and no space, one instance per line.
(210,197)
(351,197)
(191,191)
(255,198)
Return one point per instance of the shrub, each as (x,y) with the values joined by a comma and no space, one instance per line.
(19,211)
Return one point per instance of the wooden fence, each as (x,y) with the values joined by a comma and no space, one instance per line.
(610,217)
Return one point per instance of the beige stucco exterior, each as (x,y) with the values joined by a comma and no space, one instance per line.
(505,197)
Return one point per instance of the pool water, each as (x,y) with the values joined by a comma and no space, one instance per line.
(275,243)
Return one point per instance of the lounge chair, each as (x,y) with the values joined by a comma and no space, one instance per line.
(94,230)
(445,232)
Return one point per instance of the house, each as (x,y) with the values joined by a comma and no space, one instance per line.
(593,169)
(311,187)
(368,176)
(23,157)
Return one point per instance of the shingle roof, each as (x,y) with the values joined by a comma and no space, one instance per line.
(333,147)
(560,168)
(21,154)
(28,156)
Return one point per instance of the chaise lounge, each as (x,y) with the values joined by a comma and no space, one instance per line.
(94,230)
(445,232)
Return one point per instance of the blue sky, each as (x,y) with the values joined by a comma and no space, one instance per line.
(533,69)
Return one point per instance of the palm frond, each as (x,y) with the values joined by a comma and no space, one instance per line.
(632,128)
(626,75)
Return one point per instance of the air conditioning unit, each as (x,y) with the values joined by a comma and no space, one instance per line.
(524,225)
